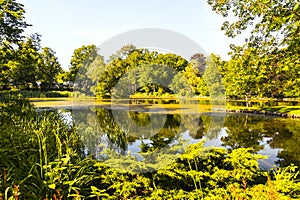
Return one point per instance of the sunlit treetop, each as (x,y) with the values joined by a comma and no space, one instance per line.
(12,22)
(275,24)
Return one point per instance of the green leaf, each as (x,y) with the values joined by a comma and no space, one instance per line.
(52,186)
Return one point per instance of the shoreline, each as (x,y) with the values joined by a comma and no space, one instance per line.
(279,111)
(264,112)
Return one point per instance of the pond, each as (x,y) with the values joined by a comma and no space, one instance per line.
(149,125)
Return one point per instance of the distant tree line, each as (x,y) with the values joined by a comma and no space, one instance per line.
(147,73)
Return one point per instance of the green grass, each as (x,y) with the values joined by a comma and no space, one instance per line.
(290,110)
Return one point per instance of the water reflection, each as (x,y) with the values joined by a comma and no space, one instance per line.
(276,137)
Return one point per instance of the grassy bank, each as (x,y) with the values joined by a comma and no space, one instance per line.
(289,110)
(36,94)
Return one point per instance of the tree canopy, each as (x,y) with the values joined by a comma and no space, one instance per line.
(28,66)
(275,23)
(24,64)
(145,70)
(267,64)
(12,21)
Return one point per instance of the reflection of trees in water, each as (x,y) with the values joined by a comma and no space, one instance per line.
(97,129)
(249,131)
(286,135)
(141,119)
(116,136)
(119,138)
(243,132)
(161,137)
(101,128)
(88,129)
(196,125)
(214,126)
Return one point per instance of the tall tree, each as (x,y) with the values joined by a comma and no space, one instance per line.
(81,60)
(195,79)
(48,69)
(275,23)
(213,78)
(12,22)
(23,66)
(274,44)
(6,54)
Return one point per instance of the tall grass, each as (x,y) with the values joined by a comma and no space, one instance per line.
(37,152)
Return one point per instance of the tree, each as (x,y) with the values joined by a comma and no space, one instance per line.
(23,66)
(123,53)
(213,79)
(174,61)
(48,69)
(194,77)
(125,59)
(28,65)
(79,75)
(81,59)
(150,72)
(242,76)
(275,23)
(6,54)
(270,56)
(12,22)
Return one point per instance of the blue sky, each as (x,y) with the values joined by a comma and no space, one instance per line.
(69,24)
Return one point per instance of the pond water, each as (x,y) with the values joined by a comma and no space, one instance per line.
(138,129)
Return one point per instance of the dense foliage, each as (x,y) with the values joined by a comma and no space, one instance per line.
(267,64)
(28,66)
(24,64)
(42,158)
(145,72)
(12,22)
